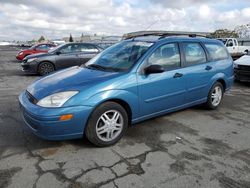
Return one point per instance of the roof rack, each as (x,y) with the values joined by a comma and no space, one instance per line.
(163,34)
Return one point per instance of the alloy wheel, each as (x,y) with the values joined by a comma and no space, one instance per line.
(109,126)
(46,68)
(216,96)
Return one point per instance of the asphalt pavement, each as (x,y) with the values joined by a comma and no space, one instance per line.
(189,148)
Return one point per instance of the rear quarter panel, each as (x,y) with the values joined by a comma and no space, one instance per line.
(224,71)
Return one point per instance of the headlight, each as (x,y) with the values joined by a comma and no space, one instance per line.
(20,53)
(236,66)
(31,59)
(56,99)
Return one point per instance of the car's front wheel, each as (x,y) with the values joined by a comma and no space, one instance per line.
(45,68)
(107,124)
(215,96)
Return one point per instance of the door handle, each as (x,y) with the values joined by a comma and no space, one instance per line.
(177,75)
(208,68)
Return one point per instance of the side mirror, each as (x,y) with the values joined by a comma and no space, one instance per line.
(58,53)
(153,69)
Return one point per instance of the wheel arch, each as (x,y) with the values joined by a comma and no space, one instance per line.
(221,78)
(124,104)
(223,83)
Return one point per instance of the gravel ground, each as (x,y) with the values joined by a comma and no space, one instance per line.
(189,148)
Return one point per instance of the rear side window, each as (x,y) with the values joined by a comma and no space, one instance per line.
(216,51)
(87,48)
(194,53)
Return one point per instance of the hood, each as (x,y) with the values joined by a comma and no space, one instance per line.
(244,60)
(37,55)
(74,78)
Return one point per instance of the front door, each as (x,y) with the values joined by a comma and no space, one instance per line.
(68,56)
(162,91)
(86,52)
(232,46)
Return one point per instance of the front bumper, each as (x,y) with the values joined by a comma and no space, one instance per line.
(29,67)
(19,58)
(242,75)
(45,123)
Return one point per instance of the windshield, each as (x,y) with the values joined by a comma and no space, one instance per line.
(33,47)
(120,57)
(55,48)
(223,40)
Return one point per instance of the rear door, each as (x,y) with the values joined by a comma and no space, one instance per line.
(86,52)
(162,91)
(198,71)
(68,56)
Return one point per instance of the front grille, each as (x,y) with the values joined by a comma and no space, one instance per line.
(244,67)
(31,98)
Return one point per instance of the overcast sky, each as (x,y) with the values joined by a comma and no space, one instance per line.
(28,19)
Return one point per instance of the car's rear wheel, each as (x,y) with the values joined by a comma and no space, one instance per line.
(215,96)
(45,68)
(107,124)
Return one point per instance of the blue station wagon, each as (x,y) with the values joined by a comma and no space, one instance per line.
(134,80)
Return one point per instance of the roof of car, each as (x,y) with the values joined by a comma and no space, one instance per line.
(157,36)
(155,39)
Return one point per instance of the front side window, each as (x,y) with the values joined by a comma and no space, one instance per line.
(216,51)
(71,48)
(194,53)
(230,43)
(42,47)
(168,56)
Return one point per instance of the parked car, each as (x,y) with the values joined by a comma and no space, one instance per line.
(38,48)
(242,68)
(63,56)
(129,82)
(234,48)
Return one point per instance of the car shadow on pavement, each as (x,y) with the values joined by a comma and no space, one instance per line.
(244,84)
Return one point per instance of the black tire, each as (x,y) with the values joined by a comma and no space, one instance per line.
(209,103)
(45,68)
(94,119)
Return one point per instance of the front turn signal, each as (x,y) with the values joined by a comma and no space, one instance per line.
(66,117)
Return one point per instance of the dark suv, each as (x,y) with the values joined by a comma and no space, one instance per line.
(63,56)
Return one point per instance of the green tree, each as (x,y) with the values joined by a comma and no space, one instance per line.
(224,33)
(71,38)
(243,30)
(41,39)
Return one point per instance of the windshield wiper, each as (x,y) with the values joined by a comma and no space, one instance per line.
(99,67)
(95,66)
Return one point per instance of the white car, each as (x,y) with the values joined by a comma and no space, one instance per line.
(234,48)
(242,68)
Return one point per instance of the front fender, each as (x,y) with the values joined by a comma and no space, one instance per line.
(129,97)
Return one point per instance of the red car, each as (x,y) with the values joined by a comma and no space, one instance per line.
(38,48)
